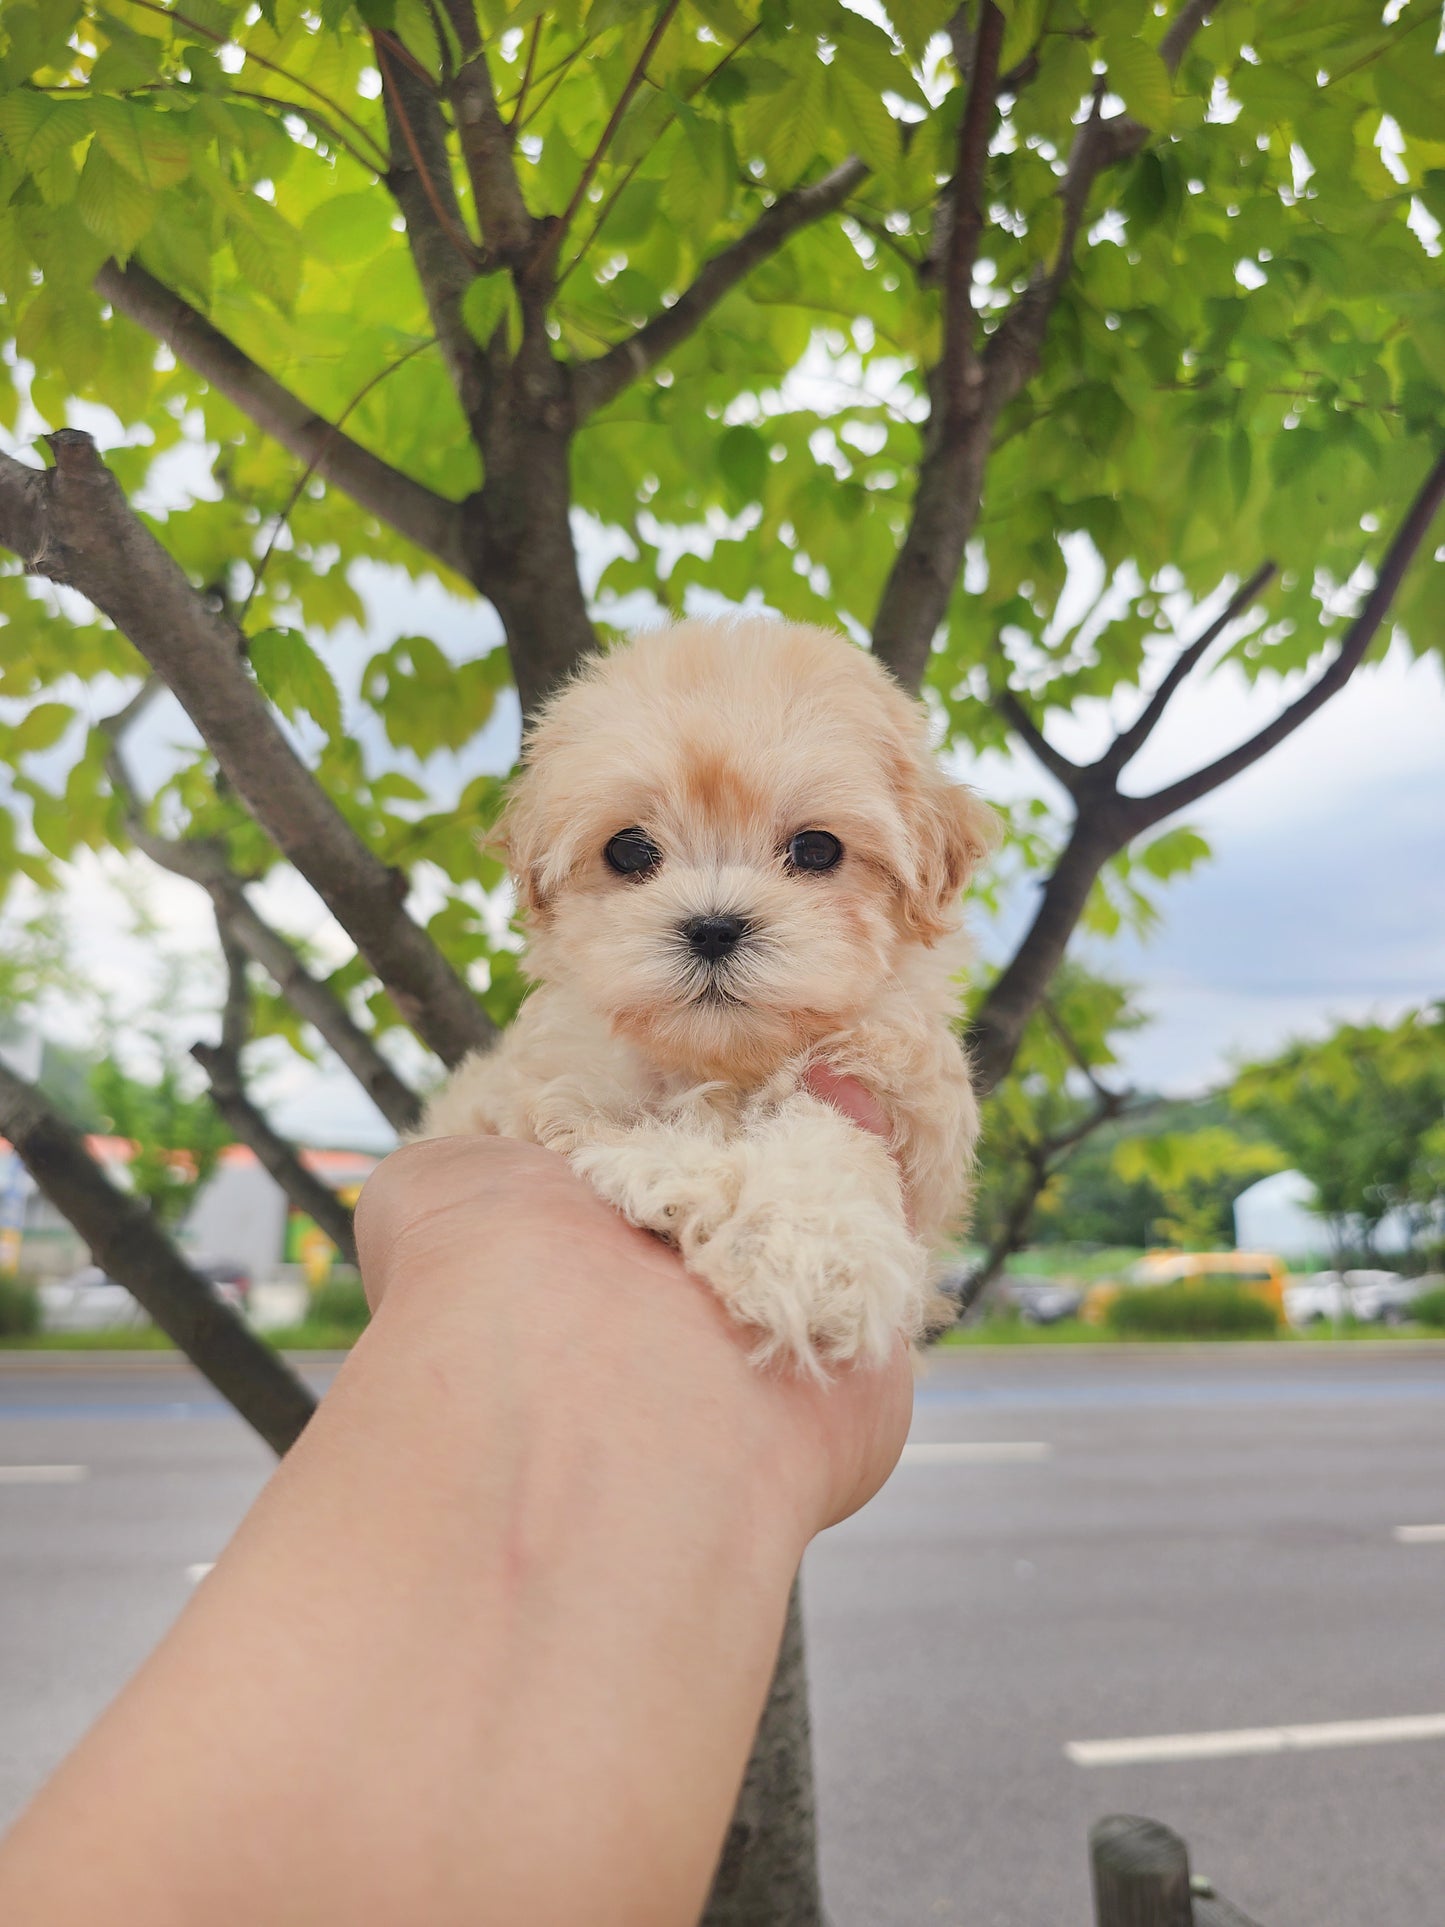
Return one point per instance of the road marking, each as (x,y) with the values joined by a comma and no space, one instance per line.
(1256,1739)
(197,1573)
(978,1452)
(42,1474)
(1420,1535)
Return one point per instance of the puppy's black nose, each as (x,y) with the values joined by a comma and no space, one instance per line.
(711,938)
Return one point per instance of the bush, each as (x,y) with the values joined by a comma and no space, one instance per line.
(341,1303)
(1429,1309)
(19,1309)
(1192,1311)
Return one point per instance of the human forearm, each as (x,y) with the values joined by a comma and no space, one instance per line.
(490,1648)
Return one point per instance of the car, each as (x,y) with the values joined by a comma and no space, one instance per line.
(1038,1301)
(1316,1299)
(87,1301)
(1257,1272)
(231,1283)
(1370,1297)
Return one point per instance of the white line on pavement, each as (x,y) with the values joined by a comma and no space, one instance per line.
(197,1573)
(42,1474)
(977,1452)
(1420,1535)
(1256,1739)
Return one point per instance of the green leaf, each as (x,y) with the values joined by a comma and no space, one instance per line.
(792,125)
(347,228)
(152,147)
(113,204)
(34,127)
(1175,853)
(699,181)
(295,678)
(417,34)
(742,459)
(1140,78)
(863,115)
(917,21)
(41,727)
(266,249)
(485,304)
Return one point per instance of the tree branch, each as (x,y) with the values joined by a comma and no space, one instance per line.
(1013,350)
(1107,820)
(508,229)
(961,410)
(203,861)
(222,1065)
(956,376)
(1148,810)
(1127,744)
(1023,725)
(420,180)
(950,477)
(72,525)
(614,121)
(129,1245)
(598,382)
(409,507)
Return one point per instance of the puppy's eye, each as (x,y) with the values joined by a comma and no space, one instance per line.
(815,850)
(631,853)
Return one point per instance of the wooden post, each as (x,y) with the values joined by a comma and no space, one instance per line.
(1141,1874)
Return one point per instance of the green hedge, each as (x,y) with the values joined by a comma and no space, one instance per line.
(1192,1311)
(1429,1309)
(341,1304)
(19,1309)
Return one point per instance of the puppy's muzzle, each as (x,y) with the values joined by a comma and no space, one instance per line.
(711,939)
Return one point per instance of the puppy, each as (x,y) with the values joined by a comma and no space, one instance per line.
(736,860)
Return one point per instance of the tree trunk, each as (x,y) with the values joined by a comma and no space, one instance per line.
(526,561)
(130,1247)
(768,1873)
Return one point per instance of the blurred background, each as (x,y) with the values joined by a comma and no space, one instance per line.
(1083,358)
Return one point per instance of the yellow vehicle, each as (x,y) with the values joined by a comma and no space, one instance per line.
(1256,1271)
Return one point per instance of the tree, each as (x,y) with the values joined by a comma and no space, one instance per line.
(1038,1119)
(1196,1176)
(787,302)
(1362,1115)
(178,1136)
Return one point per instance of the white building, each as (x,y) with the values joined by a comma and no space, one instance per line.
(1278,1215)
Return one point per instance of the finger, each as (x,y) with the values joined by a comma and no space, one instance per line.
(852,1098)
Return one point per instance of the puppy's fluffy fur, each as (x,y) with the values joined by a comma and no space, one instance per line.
(673,1083)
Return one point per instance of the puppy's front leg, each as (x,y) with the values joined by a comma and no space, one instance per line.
(797,1223)
(681,1183)
(817,1252)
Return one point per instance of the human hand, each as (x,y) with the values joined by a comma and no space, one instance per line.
(476,1217)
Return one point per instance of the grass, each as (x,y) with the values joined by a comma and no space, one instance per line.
(1073,1331)
(1079,1264)
(314,1335)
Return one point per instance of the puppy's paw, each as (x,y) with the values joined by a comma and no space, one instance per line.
(681,1187)
(821,1288)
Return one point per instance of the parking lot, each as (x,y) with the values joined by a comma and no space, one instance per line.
(1205,1549)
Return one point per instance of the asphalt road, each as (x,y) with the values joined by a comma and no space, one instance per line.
(1171,1543)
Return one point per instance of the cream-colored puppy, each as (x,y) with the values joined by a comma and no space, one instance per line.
(737,860)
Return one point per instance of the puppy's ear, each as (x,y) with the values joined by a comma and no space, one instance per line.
(951,831)
(517,838)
